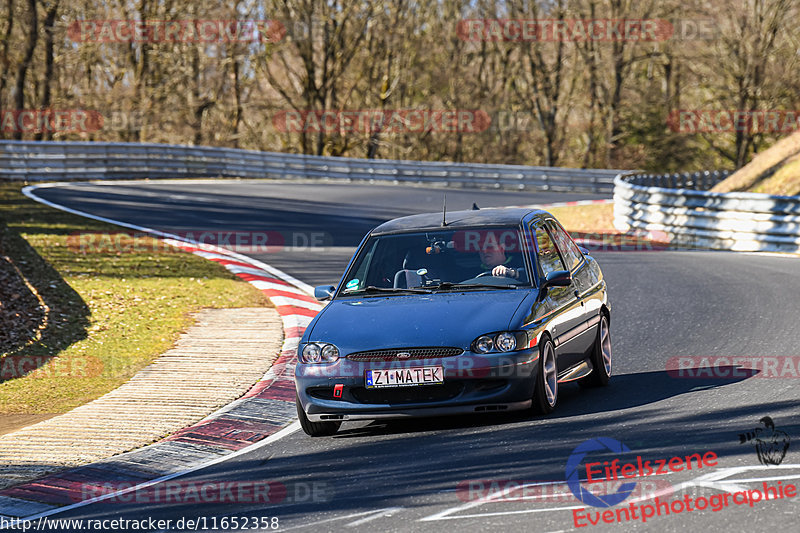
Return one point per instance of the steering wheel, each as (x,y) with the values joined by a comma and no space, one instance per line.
(482,274)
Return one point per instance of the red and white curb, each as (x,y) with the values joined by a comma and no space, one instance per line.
(265,414)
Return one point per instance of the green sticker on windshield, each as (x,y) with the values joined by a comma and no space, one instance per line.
(352,284)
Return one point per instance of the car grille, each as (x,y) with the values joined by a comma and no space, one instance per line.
(399,395)
(415,353)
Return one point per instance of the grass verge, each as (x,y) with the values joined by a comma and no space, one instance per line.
(776,170)
(586,218)
(112,308)
(785,181)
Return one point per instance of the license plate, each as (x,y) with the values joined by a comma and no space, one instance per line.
(405,377)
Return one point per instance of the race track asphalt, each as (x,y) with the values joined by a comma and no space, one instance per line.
(417,475)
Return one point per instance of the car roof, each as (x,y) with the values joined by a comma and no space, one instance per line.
(458,219)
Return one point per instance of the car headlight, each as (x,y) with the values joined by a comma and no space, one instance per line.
(319,352)
(503,341)
(330,353)
(506,342)
(484,344)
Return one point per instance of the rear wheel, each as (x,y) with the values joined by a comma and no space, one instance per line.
(315,429)
(545,395)
(601,357)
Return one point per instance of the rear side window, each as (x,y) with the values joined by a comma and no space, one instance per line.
(569,250)
(547,253)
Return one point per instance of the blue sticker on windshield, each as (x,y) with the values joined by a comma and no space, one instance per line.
(351,284)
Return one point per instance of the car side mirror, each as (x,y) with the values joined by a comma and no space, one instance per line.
(559,278)
(324,292)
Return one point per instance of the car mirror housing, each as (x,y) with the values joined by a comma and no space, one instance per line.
(559,278)
(324,292)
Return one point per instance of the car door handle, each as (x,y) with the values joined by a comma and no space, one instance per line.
(578,296)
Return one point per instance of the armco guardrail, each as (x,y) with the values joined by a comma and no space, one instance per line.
(678,208)
(38,161)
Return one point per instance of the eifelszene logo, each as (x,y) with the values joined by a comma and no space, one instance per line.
(616,470)
(573,468)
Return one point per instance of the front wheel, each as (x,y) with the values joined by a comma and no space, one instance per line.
(315,429)
(601,357)
(545,395)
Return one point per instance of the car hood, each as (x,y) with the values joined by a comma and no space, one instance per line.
(443,319)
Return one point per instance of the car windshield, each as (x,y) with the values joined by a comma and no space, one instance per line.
(462,259)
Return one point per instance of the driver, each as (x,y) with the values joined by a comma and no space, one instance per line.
(493,259)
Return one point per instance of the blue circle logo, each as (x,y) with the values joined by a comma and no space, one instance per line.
(573,480)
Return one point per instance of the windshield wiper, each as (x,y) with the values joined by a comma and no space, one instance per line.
(373,289)
(459,286)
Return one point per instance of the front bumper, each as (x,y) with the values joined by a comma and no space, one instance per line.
(472,384)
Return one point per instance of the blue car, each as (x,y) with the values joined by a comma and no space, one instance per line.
(470,312)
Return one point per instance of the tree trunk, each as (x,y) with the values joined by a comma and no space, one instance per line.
(4,59)
(24,65)
(237,91)
(49,19)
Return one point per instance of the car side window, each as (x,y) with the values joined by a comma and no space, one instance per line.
(359,280)
(569,250)
(547,253)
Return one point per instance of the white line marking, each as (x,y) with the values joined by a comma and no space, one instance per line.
(29,192)
(370,515)
(444,516)
(773,254)
(714,480)
(759,479)
(287,320)
(381,513)
(285,432)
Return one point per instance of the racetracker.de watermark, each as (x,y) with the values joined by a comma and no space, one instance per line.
(41,367)
(55,121)
(551,491)
(734,367)
(730,120)
(582,30)
(207,492)
(176,31)
(50,120)
(382,120)
(473,241)
(242,241)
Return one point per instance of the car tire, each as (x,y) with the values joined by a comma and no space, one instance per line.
(315,429)
(545,396)
(601,356)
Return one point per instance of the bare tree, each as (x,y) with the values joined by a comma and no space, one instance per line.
(5,41)
(311,67)
(25,63)
(742,59)
(47,79)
